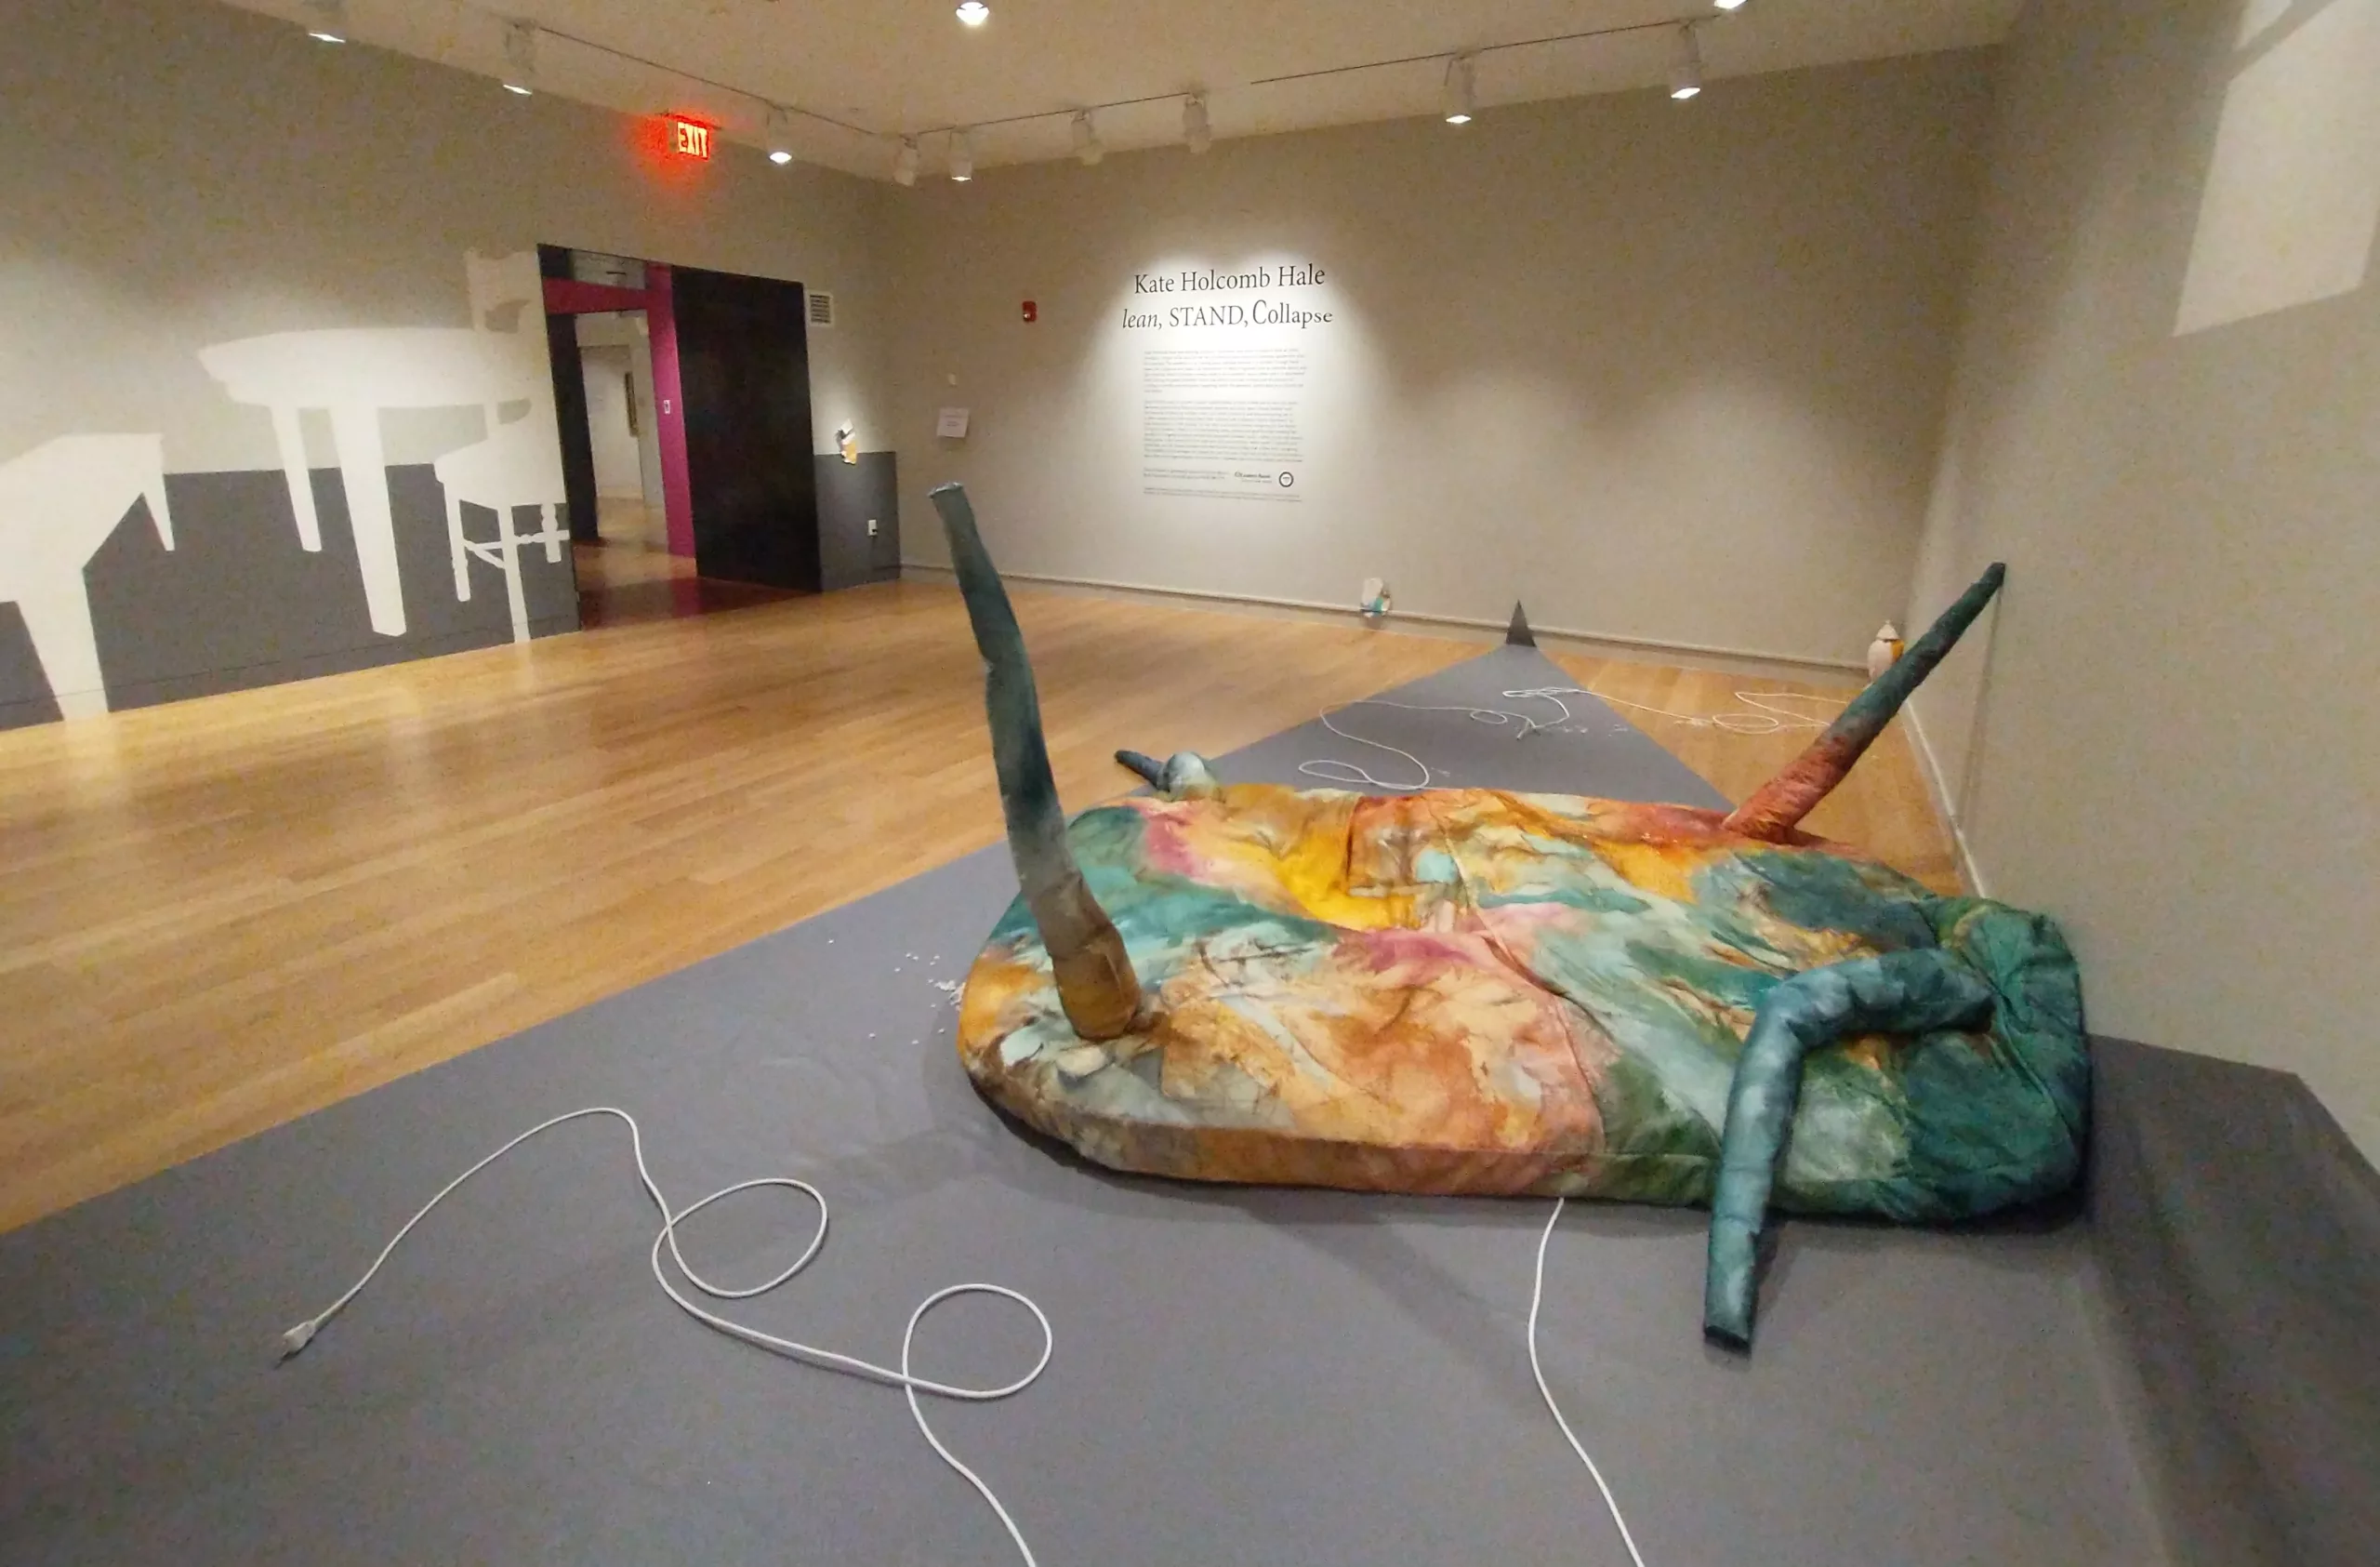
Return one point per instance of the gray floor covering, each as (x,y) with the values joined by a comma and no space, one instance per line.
(1258,1376)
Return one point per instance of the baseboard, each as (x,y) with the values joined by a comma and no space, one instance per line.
(1930,766)
(1458,627)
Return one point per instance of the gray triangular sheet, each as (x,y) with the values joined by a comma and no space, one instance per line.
(1595,751)
(1240,1374)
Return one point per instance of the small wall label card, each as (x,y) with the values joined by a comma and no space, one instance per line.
(952,424)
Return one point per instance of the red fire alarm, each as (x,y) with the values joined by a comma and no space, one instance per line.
(1032,313)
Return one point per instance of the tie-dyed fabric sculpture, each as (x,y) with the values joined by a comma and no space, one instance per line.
(1469,992)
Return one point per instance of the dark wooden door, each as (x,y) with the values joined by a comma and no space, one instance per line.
(570,407)
(743,370)
(570,423)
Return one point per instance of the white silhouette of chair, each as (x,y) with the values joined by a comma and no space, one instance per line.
(520,463)
(59,503)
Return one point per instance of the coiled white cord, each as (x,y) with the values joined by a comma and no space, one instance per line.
(1759,715)
(1333,771)
(911,1384)
(1537,1368)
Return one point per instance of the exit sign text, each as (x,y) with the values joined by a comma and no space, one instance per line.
(689,139)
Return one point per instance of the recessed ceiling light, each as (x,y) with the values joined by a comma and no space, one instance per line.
(327,21)
(962,157)
(1730,5)
(974,13)
(780,136)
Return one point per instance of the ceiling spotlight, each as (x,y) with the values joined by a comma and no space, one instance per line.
(1197,132)
(1460,91)
(904,162)
(780,136)
(1086,145)
(974,13)
(962,157)
(326,19)
(1685,72)
(519,57)
(1730,5)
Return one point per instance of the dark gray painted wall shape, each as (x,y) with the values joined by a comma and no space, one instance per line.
(237,603)
(849,494)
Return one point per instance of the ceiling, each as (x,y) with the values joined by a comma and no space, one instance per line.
(877,70)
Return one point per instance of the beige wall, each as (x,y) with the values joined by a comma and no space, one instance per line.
(2172,740)
(1668,372)
(179,174)
(618,471)
(628,334)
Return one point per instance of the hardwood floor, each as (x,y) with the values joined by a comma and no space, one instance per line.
(220,914)
(626,583)
(622,519)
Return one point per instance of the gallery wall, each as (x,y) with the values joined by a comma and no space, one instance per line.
(626,335)
(2167,420)
(611,427)
(1672,374)
(183,176)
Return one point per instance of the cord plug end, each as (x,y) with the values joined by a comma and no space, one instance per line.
(297,1338)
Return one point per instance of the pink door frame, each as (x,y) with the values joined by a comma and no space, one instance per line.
(568,296)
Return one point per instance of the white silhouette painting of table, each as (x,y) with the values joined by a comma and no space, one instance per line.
(354,373)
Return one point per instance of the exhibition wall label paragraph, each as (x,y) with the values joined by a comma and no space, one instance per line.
(1225,369)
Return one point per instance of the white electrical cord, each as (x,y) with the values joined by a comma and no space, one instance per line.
(910,1384)
(1347,772)
(1759,715)
(1536,1296)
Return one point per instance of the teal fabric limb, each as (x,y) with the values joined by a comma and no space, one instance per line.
(1182,776)
(1147,767)
(1889,692)
(1037,825)
(1780,804)
(1092,972)
(1909,992)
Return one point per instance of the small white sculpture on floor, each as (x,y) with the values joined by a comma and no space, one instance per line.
(1885,651)
(59,504)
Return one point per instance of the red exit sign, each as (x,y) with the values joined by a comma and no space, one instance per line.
(688,139)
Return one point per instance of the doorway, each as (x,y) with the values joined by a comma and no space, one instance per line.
(615,358)
(631,542)
(683,403)
(627,571)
